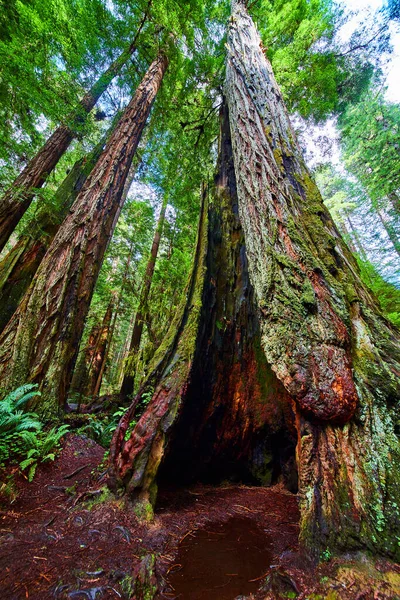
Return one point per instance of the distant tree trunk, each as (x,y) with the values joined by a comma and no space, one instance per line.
(117,305)
(322,332)
(40,342)
(19,196)
(20,264)
(390,230)
(142,310)
(360,250)
(217,411)
(100,356)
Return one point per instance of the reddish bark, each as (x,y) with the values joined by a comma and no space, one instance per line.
(20,264)
(40,342)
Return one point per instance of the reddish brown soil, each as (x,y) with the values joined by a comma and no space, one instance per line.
(55,544)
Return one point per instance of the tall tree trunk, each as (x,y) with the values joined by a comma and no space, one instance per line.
(40,342)
(19,196)
(322,332)
(390,230)
(117,303)
(18,267)
(129,377)
(107,337)
(217,412)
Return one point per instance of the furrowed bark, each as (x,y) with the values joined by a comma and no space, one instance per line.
(16,201)
(20,264)
(40,342)
(217,411)
(322,332)
(129,377)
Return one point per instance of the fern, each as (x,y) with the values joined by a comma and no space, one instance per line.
(21,432)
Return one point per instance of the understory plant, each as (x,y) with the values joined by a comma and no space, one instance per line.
(22,437)
(101,428)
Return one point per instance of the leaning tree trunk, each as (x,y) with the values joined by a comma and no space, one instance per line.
(218,411)
(19,196)
(390,230)
(322,332)
(129,377)
(40,342)
(18,267)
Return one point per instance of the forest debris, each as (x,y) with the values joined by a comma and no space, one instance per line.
(76,471)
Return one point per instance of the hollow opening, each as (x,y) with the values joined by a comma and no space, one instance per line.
(236,426)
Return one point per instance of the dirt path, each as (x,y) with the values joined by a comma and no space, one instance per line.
(64,538)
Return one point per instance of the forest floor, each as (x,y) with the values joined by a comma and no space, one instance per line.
(65,537)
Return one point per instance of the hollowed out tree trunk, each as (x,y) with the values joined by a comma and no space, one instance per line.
(218,411)
(310,339)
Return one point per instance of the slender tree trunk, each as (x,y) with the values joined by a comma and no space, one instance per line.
(118,303)
(356,237)
(322,332)
(18,267)
(40,342)
(129,377)
(100,357)
(19,196)
(390,230)
(80,378)
(109,331)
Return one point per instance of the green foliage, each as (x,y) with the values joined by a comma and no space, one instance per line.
(21,434)
(370,139)
(13,420)
(101,427)
(40,447)
(387,294)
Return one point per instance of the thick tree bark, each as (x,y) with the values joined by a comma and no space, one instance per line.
(18,267)
(217,410)
(19,196)
(141,313)
(322,332)
(41,340)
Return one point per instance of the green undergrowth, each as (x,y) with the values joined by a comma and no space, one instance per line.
(23,438)
(101,427)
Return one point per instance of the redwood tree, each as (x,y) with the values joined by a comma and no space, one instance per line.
(322,332)
(41,340)
(19,196)
(326,352)
(20,264)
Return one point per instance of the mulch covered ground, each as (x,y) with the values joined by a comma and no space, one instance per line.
(63,539)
